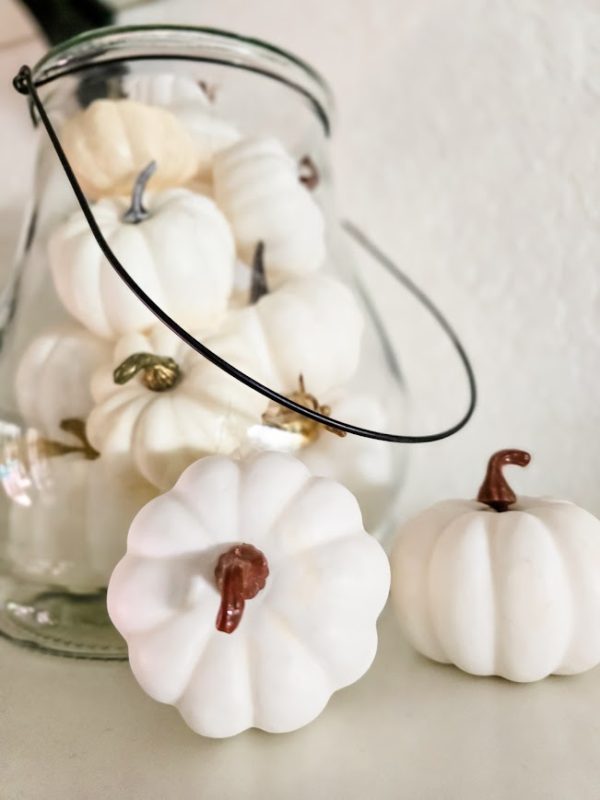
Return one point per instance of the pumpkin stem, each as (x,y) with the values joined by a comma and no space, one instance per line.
(137,212)
(159,373)
(308,174)
(285,419)
(209,89)
(47,448)
(241,573)
(495,491)
(258,286)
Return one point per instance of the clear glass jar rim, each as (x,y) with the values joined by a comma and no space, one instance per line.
(161,41)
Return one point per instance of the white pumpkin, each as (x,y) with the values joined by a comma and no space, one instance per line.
(111,141)
(70,527)
(501,586)
(173,409)
(249,594)
(187,99)
(310,326)
(180,250)
(53,378)
(47,540)
(257,186)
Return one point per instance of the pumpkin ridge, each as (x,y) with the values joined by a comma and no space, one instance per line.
(432,616)
(290,501)
(496,617)
(569,580)
(142,639)
(287,629)
(506,668)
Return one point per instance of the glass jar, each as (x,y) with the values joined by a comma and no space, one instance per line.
(101,407)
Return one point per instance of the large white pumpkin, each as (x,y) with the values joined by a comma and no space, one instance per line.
(53,378)
(257,186)
(189,102)
(249,594)
(111,141)
(512,592)
(180,250)
(166,424)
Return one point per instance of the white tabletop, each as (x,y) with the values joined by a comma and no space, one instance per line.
(409,729)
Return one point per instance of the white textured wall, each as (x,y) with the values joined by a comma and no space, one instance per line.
(468,145)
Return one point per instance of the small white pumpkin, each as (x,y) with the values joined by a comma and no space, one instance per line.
(256,184)
(309,326)
(111,141)
(180,250)
(249,594)
(188,100)
(53,378)
(68,525)
(47,540)
(166,406)
(501,586)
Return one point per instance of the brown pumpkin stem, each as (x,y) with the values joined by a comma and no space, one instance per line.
(241,573)
(159,373)
(308,174)
(137,212)
(495,491)
(258,286)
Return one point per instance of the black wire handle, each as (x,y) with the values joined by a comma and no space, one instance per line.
(24,84)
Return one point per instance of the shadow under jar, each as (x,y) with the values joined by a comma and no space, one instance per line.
(204,157)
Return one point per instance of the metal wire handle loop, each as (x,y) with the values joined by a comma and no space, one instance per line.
(24,84)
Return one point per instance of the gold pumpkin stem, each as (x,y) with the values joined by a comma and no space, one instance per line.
(285,419)
(159,373)
(47,448)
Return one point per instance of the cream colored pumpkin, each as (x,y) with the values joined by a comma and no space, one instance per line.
(202,410)
(53,378)
(199,640)
(111,141)
(513,593)
(182,254)
(257,186)
(188,101)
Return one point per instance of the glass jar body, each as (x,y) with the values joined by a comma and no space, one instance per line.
(101,408)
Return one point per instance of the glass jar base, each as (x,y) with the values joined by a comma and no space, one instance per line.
(59,622)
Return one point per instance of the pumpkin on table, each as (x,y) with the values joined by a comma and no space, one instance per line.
(249,594)
(501,585)
(179,249)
